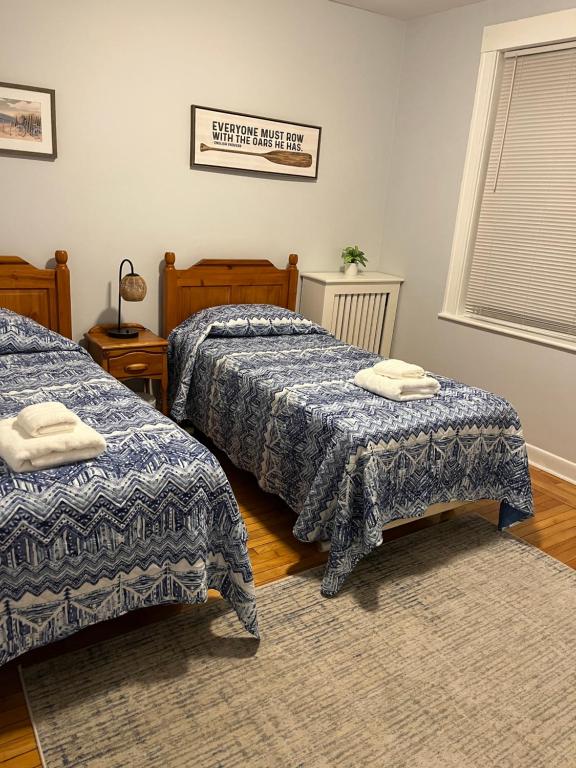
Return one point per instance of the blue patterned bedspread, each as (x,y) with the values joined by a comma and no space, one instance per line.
(153,520)
(284,407)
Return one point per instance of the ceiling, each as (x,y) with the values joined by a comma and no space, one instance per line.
(406,9)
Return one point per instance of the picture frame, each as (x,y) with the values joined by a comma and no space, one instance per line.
(237,141)
(27,121)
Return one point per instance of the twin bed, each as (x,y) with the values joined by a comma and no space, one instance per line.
(276,393)
(153,520)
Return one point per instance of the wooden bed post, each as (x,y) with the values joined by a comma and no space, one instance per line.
(63,294)
(292,280)
(169,299)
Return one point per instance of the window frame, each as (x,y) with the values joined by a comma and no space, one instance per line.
(497,40)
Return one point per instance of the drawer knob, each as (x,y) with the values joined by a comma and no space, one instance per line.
(136,367)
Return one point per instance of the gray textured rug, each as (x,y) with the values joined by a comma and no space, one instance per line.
(451,648)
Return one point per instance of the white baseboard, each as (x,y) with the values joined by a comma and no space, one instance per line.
(549,462)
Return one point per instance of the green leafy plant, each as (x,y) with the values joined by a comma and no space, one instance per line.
(353,255)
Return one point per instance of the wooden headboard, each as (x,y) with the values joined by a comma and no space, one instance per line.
(42,294)
(211,282)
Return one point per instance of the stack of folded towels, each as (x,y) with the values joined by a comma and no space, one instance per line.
(397,380)
(47,435)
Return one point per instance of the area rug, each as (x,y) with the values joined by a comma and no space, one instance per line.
(453,647)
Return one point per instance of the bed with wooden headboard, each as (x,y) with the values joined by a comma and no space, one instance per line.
(211,282)
(292,458)
(144,554)
(41,294)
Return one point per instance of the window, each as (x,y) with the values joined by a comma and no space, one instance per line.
(513,265)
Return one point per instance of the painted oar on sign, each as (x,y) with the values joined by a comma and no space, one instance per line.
(295,159)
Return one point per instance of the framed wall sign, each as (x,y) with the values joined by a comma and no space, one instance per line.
(222,139)
(27,121)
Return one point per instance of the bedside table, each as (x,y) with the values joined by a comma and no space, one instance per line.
(144,357)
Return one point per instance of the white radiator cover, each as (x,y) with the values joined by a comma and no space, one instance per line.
(358,310)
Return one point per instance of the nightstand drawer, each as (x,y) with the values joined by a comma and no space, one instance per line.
(135,364)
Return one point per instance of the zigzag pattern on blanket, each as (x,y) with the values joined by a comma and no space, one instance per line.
(233,320)
(109,537)
(22,334)
(152,520)
(345,460)
(34,623)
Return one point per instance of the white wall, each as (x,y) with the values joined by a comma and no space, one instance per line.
(125,75)
(436,99)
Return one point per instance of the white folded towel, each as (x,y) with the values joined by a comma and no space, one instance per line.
(23,453)
(398,369)
(48,418)
(397,389)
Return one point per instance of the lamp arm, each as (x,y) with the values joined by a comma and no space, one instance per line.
(124,261)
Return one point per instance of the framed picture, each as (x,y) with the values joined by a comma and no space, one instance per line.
(27,121)
(222,139)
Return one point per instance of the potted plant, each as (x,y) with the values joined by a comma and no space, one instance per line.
(352,256)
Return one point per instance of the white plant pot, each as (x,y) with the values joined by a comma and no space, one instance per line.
(351,270)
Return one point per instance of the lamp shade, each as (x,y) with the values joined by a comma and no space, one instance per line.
(133,287)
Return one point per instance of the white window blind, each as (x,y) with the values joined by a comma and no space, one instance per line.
(523,261)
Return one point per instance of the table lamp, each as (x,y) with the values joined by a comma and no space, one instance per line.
(131,287)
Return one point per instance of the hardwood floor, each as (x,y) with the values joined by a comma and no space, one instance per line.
(275,553)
